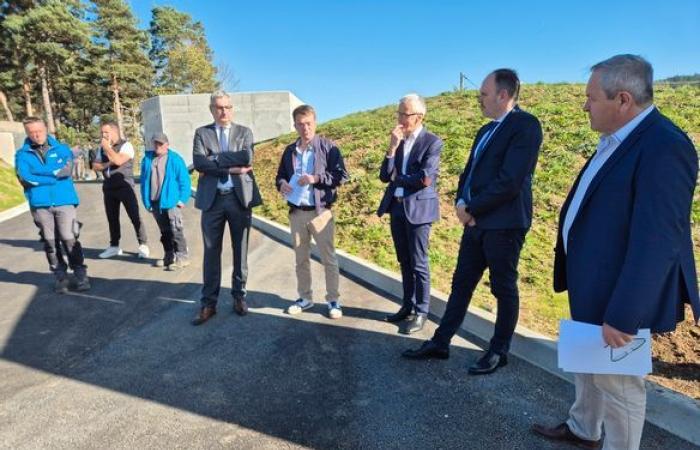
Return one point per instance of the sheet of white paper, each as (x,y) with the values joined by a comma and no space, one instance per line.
(294,197)
(581,349)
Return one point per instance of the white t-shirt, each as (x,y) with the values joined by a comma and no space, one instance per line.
(127,149)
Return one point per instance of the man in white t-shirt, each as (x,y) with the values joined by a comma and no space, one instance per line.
(115,160)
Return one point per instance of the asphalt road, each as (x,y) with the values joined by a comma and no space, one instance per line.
(120,366)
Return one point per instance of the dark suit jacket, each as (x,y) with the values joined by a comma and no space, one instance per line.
(630,256)
(421,201)
(208,158)
(328,166)
(501,185)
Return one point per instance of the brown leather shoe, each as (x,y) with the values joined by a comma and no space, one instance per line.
(562,433)
(206,313)
(239,305)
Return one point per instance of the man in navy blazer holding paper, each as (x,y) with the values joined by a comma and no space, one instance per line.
(411,168)
(494,203)
(624,249)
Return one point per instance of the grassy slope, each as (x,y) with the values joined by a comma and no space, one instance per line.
(455,117)
(10,190)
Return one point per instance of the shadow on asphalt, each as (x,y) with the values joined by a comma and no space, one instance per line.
(89,253)
(268,371)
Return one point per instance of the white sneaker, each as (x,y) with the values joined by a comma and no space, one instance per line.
(110,252)
(143,251)
(299,306)
(334,310)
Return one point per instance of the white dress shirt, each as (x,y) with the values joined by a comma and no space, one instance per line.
(407,147)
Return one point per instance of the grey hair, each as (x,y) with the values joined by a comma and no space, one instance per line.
(416,100)
(630,73)
(218,94)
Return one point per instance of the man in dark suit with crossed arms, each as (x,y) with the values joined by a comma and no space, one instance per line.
(411,168)
(494,203)
(226,193)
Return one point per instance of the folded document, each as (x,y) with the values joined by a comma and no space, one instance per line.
(581,349)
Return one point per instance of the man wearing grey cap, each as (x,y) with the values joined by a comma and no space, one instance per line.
(165,190)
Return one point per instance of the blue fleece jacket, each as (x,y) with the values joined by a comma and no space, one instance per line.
(38,174)
(176,184)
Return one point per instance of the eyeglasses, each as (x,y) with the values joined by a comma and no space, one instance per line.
(223,108)
(403,114)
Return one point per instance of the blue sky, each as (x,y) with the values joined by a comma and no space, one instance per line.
(346,56)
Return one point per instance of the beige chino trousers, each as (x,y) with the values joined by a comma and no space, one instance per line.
(302,232)
(615,402)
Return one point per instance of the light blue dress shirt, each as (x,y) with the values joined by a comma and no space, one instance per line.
(304,164)
(223,145)
(606,147)
(479,147)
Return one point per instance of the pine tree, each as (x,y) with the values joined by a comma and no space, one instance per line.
(180,53)
(123,56)
(48,36)
(15,68)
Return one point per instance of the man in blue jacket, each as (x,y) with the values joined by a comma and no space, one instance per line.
(410,169)
(44,167)
(624,251)
(165,189)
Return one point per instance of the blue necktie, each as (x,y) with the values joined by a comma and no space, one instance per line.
(466,190)
(223,145)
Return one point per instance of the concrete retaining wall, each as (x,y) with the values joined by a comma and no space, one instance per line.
(11,137)
(268,114)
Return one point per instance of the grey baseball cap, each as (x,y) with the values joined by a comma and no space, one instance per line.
(160,137)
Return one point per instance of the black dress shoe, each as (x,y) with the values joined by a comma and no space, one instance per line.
(562,433)
(415,325)
(401,315)
(428,350)
(488,363)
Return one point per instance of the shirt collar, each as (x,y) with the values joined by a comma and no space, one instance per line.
(624,131)
(298,149)
(414,135)
(503,117)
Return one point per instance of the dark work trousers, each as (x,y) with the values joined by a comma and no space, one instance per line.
(59,230)
(113,198)
(411,243)
(499,250)
(226,209)
(172,232)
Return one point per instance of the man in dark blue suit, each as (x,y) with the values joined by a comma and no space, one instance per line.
(411,168)
(624,249)
(494,203)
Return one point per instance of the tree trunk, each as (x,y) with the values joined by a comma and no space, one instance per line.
(5,106)
(27,91)
(46,100)
(135,123)
(55,107)
(117,105)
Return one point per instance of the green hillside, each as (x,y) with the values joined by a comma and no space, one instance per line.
(10,190)
(455,117)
